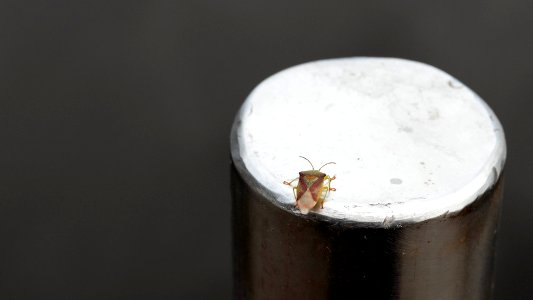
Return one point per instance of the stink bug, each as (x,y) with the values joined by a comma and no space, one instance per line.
(312,189)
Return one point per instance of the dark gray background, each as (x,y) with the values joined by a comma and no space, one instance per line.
(115,116)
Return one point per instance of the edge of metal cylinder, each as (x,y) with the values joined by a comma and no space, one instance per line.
(240,166)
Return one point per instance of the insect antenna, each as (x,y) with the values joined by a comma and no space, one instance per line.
(309,162)
(329,163)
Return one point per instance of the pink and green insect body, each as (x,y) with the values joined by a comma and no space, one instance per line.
(312,189)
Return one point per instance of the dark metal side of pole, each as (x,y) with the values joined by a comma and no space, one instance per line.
(278,254)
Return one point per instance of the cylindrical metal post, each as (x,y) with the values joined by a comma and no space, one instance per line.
(419,159)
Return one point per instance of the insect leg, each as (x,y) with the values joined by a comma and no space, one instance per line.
(325,192)
(290,182)
(329,179)
(294,188)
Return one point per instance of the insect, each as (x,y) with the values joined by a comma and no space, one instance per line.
(312,189)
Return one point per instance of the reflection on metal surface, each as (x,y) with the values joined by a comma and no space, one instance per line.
(410,141)
(280,255)
(419,160)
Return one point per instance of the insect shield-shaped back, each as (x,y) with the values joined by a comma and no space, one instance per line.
(312,189)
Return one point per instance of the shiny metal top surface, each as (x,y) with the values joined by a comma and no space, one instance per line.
(410,142)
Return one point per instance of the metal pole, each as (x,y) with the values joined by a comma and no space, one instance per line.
(434,239)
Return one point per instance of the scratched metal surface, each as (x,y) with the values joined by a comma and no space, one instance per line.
(410,141)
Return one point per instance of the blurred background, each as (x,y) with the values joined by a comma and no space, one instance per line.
(115,120)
